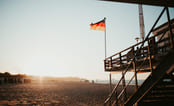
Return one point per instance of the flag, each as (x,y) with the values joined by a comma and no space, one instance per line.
(98,26)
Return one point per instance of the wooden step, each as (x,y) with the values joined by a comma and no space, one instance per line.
(166,91)
(157,103)
(157,100)
(162,96)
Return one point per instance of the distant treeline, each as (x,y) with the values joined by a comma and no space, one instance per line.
(7,74)
(7,78)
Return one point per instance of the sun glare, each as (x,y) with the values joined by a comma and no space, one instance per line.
(44,66)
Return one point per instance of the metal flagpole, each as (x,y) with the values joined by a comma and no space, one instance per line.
(105,37)
(110,82)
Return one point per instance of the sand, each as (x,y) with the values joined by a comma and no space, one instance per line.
(54,94)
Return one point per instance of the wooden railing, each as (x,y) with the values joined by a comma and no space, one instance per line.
(155,48)
(142,56)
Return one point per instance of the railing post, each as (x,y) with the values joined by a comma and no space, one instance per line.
(170,28)
(120,59)
(105,65)
(135,71)
(111,61)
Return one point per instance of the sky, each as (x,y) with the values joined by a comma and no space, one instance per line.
(53,37)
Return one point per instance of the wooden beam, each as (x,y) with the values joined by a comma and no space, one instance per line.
(169,3)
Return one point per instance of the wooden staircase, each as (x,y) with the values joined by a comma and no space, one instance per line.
(161,94)
(154,55)
(160,81)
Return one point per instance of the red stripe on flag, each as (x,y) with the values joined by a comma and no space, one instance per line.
(98,26)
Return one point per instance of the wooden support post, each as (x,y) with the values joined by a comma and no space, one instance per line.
(135,71)
(123,85)
(170,28)
(110,87)
(110,82)
(110,77)
(135,74)
(123,80)
(149,57)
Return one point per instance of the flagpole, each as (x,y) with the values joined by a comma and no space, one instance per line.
(98,26)
(110,82)
(105,37)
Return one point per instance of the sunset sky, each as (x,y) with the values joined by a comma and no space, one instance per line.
(53,37)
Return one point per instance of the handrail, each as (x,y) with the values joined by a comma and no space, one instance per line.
(125,71)
(124,50)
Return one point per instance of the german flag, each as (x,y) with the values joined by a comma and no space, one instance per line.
(98,26)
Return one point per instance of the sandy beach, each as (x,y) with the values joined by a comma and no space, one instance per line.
(54,94)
